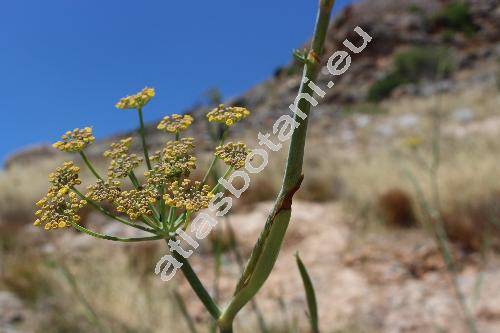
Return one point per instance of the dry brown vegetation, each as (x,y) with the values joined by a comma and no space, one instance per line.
(364,177)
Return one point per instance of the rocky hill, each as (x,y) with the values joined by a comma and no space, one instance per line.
(467,32)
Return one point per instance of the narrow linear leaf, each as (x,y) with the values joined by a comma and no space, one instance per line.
(310,294)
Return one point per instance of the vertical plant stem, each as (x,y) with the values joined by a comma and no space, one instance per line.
(133,179)
(436,225)
(142,133)
(442,235)
(162,208)
(239,260)
(267,248)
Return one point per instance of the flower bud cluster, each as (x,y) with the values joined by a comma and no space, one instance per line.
(233,154)
(175,123)
(65,176)
(122,163)
(188,195)
(173,161)
(136,101)
(75,141)
(60,207)
(135,203)
(104,190)
(228,115)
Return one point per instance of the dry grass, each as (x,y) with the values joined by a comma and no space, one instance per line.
(102,273)
(363,175)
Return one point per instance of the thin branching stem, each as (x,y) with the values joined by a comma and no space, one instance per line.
(106,213)
(214,158)
(142,133)
(226,174)
(113,238)
(436,224)
(89,165)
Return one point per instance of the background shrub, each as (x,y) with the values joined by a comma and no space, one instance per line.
(456,17)
(383,88)
(411,66)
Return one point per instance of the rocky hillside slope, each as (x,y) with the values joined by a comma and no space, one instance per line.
(469,33)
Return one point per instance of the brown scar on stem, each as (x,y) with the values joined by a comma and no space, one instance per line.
(286,204)
(313,57)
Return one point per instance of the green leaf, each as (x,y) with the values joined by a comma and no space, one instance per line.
(310,294)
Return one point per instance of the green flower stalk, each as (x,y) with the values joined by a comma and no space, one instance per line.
(267,248)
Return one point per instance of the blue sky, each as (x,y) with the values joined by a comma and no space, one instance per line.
(65,63)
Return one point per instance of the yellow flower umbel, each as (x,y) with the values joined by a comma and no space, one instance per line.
(104,190)
(65,177)
(122,163)
(233,154)
(75,141)
(119,148)
(188,195)
(175,160)
(175,123)
(227,115)
(136,101)
(59,208)
(57,212)
(135,203)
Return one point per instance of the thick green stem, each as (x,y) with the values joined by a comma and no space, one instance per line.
(228,329)
(197,286)
(267,248)
(142,133)
(239,260)
(89,165)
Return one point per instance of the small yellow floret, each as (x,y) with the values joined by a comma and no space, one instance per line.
(136,101)
(188,195)
(175,123)
(227,115)
(233,154)
(75,141)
